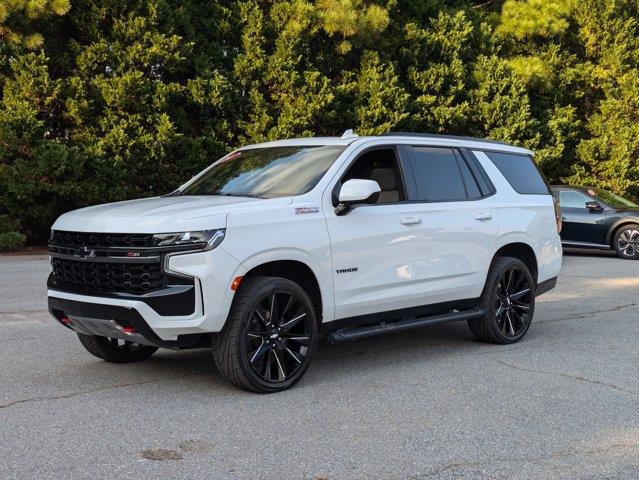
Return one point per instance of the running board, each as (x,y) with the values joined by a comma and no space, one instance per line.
(348,334)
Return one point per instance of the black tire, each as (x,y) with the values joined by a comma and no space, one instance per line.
(114,350)
(509,312)
(626,242)
(250,329)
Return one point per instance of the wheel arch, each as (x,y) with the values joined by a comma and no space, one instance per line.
(297,271)
(617,225)
(522,251)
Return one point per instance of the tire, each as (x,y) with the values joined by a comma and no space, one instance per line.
(626,242)
(508,307)
(114,350)
(257,353)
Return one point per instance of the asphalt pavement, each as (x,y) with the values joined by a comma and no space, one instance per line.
(425,404)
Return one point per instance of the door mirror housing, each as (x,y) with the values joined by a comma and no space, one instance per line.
(357,192)
(594,206)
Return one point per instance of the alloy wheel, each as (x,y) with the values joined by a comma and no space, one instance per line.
(628,242)
(278,336)
(513,302)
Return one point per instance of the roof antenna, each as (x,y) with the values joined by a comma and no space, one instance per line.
(348,134)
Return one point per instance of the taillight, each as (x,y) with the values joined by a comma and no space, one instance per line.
(557,213)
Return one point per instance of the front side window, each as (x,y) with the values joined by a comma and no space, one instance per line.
(438,175)
(266,172)
(381,166)
(572,199)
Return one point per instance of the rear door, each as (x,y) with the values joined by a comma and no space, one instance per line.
(460,220)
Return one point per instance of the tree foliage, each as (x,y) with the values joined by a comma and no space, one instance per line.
(103,100)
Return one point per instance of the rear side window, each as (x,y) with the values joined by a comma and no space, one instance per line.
(521,172)
(437,174)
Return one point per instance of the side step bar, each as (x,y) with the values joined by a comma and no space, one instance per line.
(348,334)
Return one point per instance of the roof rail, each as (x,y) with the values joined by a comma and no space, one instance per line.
(437,135)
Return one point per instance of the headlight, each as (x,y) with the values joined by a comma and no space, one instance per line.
(205,239)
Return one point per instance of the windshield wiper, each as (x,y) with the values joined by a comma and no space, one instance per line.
(236,195)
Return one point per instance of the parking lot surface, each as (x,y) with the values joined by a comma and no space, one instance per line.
(424,404)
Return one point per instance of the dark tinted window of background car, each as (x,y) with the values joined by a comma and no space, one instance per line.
(437,174)
(521,172)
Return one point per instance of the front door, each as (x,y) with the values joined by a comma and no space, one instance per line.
(378,251)
(581,225)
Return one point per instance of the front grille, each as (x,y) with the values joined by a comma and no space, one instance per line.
(108,263)
(101,240)
(80,275)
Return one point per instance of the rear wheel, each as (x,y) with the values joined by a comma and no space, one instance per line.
(270,336)
(115,350)
(626,242)
(508,301)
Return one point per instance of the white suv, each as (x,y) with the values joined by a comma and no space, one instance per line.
(278,243)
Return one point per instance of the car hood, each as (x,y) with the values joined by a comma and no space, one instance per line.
(161,214)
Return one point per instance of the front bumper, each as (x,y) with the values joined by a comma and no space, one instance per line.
(212,272)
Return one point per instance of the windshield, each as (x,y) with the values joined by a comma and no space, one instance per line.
(614,200)
(266,172)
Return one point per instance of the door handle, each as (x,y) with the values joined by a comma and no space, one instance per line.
(411,221)
(482,217)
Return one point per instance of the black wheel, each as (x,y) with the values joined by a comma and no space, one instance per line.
(270,335)
(626,242)
(115,350)
(509,302)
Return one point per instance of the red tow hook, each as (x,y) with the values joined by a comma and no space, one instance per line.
(64,320)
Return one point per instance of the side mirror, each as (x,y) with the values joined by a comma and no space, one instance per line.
(357,192)
(594,206)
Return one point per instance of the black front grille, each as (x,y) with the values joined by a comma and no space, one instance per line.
(101,240)
(109,263)
(88,276)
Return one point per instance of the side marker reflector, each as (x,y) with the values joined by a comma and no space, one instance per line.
(236,283)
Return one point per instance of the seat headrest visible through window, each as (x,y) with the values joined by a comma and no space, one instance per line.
(387,180)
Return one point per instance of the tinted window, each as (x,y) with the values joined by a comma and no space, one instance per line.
(437,174)
(469,180)
(572,199)
(521,172)
(266,172)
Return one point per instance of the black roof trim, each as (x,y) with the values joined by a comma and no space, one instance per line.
(451,137)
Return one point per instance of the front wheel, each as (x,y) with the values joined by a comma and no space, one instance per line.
(626,242)
(270,336)
(508,301)
(115,350)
